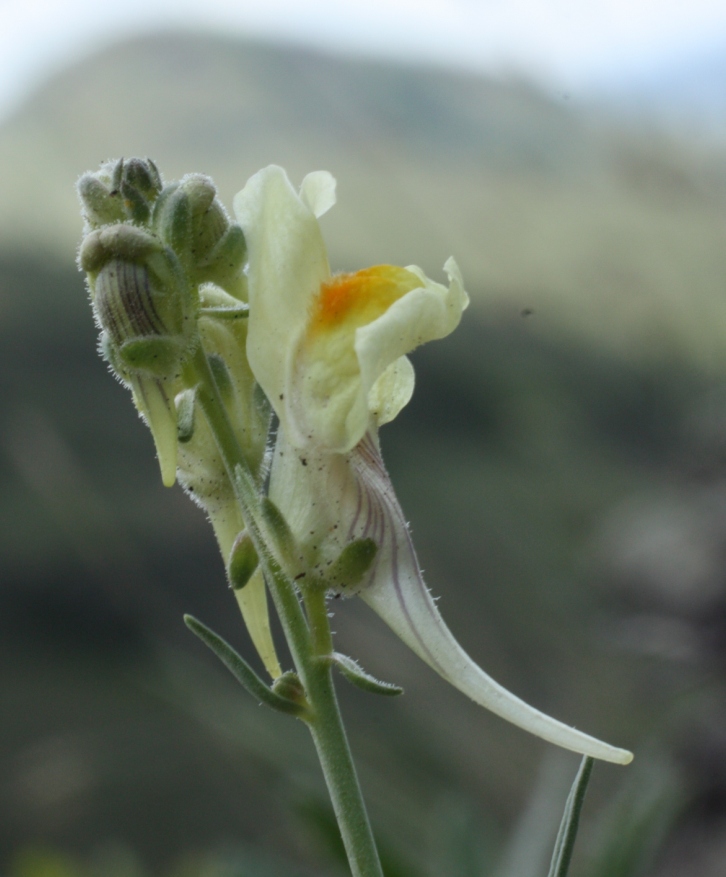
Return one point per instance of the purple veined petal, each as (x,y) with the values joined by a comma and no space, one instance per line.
(396,591)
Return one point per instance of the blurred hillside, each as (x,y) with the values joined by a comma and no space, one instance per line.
(617,237)
(562,464)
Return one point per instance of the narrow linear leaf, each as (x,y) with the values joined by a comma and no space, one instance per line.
(240,669)
(565,842)
(356,675)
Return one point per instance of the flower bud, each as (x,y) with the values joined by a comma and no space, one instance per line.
(143,176)
(120,190)
(146,311)
(290,687)
(165,274)
(190,218)
(143,304)
(142,298)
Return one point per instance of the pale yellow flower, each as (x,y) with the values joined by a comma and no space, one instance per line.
(329,352)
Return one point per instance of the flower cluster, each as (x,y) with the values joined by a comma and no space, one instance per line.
(327,353)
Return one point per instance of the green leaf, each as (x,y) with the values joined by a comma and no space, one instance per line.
(241,670)
(565,842)
(357,676)
(634,826)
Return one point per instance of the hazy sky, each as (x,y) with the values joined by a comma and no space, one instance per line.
(571,44)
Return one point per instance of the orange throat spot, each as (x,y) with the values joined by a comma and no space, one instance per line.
(352,300)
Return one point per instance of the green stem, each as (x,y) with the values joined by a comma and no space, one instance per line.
(317,612)
(310,645)
(339,771)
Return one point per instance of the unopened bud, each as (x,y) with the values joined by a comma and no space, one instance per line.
(191,219)
(120,190)
(143,176)
(147,317)
(290,687)
(150,250)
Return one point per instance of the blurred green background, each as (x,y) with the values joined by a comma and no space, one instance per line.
(563,465)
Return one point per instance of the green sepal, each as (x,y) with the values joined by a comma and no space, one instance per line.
(221,313)
(209,220)
(243,561)
(117,175)
(278,527)
(99,205)
(92,254)
(262,403)
(120,241)
(155,175)
(221,376)
(201,191)
(143,176)
(353,562)
(137,207)
(224,263)
(173,219)
(357,676)
(158,354)
(109,353)
(241,670)
(565,842)
(185,415)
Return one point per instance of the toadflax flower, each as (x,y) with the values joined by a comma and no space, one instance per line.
(330,353)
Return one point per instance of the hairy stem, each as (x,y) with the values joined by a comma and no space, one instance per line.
(309,639)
